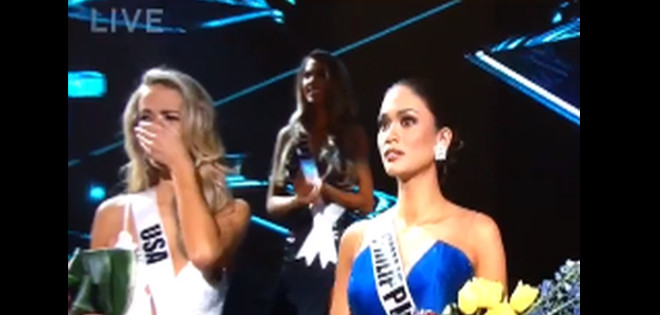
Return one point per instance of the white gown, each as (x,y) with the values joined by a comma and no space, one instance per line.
(187,293)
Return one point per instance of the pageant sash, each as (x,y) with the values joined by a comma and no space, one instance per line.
(321,238)
(158,268)
(389,277)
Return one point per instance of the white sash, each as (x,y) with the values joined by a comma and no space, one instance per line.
(155,256)
(321,239)
(389,277)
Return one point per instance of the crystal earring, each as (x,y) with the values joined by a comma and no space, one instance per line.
(440,152)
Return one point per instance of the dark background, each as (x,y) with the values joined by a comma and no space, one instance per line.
(520,163)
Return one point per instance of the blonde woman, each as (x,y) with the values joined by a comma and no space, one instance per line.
(177,212)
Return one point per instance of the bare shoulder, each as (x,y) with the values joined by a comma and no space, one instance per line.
(355,231)
(351,240)
(108,220)
(241,207)
(113,206)
(237,209)
(483,225)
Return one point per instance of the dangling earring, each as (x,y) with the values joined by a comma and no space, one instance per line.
(440,152)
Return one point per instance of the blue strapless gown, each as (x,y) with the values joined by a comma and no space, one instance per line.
(433,281)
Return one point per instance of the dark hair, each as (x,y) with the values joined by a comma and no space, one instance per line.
(440,106)
(342,106)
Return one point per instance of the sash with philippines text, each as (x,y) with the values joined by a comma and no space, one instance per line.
(389,277)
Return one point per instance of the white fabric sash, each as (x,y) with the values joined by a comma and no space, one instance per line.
(321,239)
(389,277)
(156,260)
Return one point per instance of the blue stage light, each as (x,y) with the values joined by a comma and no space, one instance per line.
(247,184)
(235,19)
(256,4)
(86,84)
(96,193)
(73,3)
(292,72)
(511,77)
(270,226)
(385,201)
(556,18)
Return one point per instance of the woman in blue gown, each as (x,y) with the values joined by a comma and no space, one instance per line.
(415,257)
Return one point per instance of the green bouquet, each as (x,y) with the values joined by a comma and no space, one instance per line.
(101,281)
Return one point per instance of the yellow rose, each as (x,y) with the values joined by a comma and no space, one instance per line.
(467,299)
(501,309)
(489,292)
(523,297)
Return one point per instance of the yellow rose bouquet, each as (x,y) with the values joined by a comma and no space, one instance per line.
(560,296)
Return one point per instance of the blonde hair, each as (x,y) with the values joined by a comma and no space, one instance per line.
(198,133)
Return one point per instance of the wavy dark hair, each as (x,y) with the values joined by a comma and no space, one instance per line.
(341,107)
